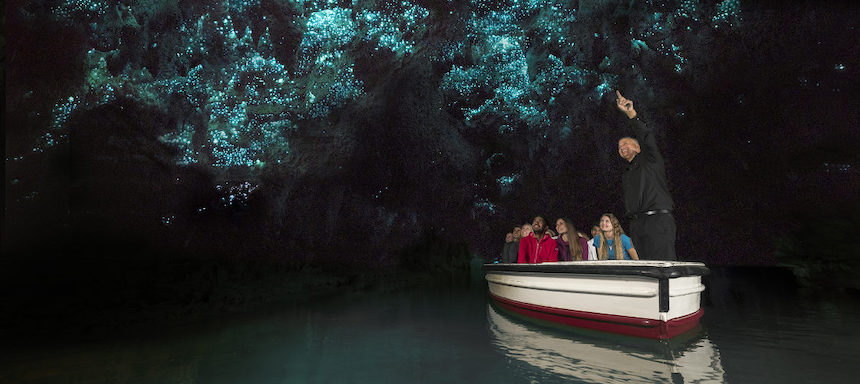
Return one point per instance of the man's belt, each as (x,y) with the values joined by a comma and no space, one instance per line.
(634,216)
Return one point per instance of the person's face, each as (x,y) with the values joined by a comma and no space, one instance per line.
(509,237)
(527,229)
(538,224)
(517,232)
(560,226)
(595,230)
(628,148)
(605,224)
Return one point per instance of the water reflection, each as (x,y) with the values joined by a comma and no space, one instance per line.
(600,358)
(409,337)
(437,336)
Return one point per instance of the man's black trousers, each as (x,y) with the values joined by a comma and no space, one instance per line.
(654,236)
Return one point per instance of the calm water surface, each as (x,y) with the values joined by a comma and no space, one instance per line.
(756,329)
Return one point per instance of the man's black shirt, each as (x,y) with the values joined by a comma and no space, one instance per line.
(644,180)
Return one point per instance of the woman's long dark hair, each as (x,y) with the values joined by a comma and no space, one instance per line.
(572,240)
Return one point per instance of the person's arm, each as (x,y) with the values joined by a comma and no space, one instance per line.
(643,133)
(633,254)
(645,136)
(628,245)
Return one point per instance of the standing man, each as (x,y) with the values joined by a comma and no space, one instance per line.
(539,247)
(646,195)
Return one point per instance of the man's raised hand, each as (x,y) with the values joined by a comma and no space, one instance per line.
(625,105)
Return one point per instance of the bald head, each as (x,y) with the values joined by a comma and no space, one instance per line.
(628,148)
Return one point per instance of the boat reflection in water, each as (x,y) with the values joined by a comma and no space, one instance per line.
(590,356)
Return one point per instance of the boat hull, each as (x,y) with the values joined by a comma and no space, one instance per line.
(656,300)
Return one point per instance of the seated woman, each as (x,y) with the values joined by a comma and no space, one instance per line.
(569,250)
(610,233)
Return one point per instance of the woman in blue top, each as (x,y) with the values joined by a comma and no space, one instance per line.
(610,231)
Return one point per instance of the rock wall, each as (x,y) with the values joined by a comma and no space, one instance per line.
(349,130)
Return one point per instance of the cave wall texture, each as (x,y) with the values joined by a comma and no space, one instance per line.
(348,130)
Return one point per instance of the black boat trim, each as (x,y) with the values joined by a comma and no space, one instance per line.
(652,271)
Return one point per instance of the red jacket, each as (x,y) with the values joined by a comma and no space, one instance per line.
(533,251)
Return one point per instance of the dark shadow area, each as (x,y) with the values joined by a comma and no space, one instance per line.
(740,287)
(821,250)
(91,288)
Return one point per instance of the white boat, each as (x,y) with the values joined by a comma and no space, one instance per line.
(651,299)
(576,357)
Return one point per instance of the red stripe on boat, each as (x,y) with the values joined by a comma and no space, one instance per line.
(625,325)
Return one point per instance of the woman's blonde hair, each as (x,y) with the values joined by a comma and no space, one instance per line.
(617,231)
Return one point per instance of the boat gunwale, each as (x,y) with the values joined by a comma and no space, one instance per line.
(657,270)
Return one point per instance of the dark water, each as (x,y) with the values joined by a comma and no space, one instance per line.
(757,328)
